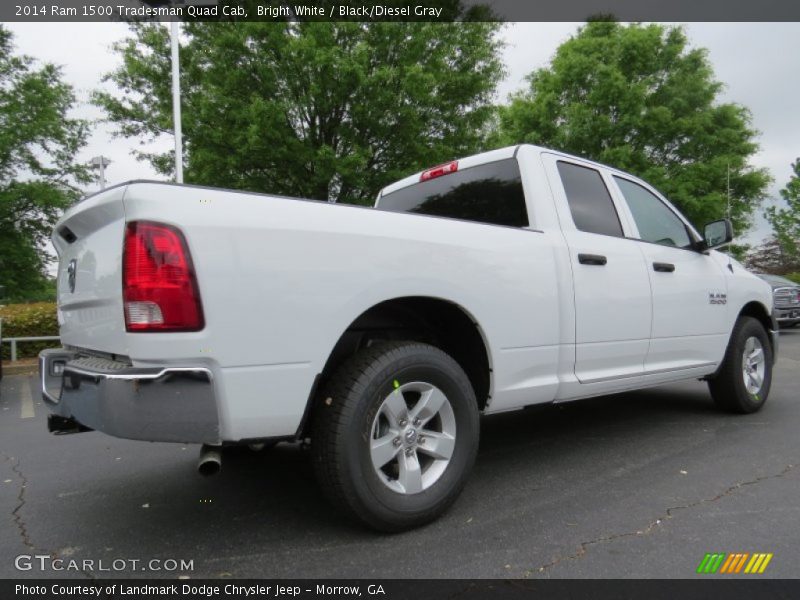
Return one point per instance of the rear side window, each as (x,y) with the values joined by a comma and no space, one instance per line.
(489,193)
(589,201)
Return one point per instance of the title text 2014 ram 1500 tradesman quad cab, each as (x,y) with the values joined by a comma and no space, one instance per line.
(515,277)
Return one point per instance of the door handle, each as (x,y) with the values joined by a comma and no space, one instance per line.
(592,259)
(663,267)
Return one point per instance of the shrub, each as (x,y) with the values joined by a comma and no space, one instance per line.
(28,320)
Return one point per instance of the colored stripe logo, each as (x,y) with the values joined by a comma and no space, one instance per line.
(734,563)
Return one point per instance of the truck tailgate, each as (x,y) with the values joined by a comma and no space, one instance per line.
(88,240)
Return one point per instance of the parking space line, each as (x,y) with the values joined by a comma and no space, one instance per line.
(26,410)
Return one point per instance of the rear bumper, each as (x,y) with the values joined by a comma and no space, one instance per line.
(170,404)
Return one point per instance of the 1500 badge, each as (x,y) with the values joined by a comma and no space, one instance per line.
(717,298)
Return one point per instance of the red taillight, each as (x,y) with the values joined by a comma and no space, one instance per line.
(435,172)
(159,287)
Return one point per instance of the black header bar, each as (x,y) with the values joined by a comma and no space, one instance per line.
(393,589)
(399,10)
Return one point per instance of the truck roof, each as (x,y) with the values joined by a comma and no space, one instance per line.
(479,159)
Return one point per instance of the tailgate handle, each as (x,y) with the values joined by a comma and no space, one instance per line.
(663,267)
(592,259)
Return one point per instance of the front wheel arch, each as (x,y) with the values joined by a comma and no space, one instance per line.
(763,315)
(728,387)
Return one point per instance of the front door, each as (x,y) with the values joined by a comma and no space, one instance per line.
(689,287)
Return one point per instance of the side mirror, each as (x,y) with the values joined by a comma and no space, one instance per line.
(717,233)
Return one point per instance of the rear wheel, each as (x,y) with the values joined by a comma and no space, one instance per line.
(395,435)
(743,382)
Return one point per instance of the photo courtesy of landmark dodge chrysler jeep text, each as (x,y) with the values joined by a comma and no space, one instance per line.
(516,277)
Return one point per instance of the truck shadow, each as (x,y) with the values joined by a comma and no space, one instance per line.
(267,504)
(261,497)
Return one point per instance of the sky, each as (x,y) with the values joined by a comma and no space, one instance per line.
(757,62)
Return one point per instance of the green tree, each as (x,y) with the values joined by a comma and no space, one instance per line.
(770,256)
(314,109)
(786,221)
(38,172)
(638,98)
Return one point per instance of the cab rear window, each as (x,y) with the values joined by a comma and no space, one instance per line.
(488,193)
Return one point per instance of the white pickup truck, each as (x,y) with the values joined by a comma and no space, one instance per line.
(516,277)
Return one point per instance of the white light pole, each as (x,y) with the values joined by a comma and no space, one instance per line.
(174,34)
(100,163)
(176,100)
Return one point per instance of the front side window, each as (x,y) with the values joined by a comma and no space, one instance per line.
(589,201)
(654,219)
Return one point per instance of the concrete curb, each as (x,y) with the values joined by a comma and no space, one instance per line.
(19,368)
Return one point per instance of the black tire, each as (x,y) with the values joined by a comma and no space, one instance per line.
(728,387)
(342,431)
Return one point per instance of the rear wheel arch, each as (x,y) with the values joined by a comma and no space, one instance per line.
(435,321)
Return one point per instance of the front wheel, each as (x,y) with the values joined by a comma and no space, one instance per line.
(743,382)
(395,435)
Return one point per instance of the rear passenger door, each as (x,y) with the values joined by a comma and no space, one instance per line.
(610,278)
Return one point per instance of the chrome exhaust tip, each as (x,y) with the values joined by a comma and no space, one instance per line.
(210,461)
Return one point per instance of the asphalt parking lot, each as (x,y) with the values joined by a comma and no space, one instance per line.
(640,484)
